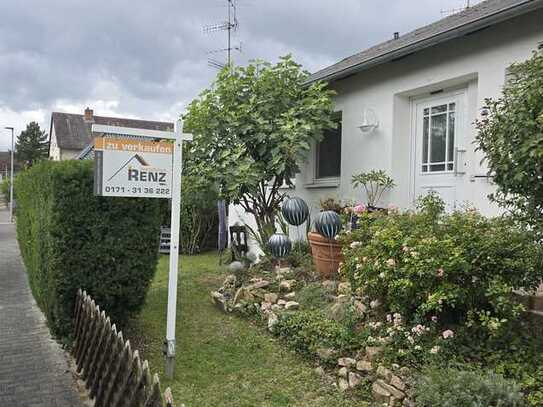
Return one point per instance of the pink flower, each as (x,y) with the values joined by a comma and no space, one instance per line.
(360,208)
(440,272)
(447,334)
(392,207)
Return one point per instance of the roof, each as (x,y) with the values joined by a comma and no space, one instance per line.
(74,133)
(472,19)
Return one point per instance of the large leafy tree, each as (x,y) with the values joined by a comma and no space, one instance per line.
(512,139)
(32,144)
(252,129)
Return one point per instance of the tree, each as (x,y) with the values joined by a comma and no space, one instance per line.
(32,144)
(252,129)
(512,139)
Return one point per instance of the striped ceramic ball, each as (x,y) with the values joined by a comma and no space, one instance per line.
(328,224)
(295,211)
(280,245)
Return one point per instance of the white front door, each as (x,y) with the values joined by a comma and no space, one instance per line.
(439,131)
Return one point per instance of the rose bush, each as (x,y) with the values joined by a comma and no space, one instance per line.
(461,268)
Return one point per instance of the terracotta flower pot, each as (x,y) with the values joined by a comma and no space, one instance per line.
(326,254)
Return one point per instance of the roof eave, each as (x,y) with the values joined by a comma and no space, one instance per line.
(498,17)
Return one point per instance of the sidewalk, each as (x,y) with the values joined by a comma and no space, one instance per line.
(33,368)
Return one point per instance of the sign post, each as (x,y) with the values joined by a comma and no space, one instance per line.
(131,167)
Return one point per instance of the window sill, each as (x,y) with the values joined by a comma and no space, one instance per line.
(328,183)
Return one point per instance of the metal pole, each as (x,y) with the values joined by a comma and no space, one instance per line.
(174,250)
(11,179)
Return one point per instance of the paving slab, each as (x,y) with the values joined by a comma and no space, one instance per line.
(34,370)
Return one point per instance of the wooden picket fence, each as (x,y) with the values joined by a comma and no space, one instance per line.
(114,374)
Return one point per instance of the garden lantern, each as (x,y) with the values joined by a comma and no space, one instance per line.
(328,224)
(295,211)
(280,245)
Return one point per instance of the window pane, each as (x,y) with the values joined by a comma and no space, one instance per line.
(425,124)
(452,106)
(451,136)
(449,167)
(437,167)
(425,168)
(426,111)
(437,138)
(329,153)
(439,109)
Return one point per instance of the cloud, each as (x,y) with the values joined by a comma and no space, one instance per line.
(148,59)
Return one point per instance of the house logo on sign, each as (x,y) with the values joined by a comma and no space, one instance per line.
(142,172)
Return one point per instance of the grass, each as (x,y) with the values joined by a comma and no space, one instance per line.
(223,360)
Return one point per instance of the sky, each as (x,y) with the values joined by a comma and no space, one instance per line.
(148,59)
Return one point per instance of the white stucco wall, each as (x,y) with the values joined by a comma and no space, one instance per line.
(476,64)
(54,150)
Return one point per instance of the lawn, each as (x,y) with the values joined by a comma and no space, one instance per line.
(223,360)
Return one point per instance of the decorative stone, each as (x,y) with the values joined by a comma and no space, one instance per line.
(343,372)
(219,300)
(266,306)
(290,296)
(344,288)
(364,366)
(372,352)
(276,307)
(384,373)
(271,297)
(273,319)
(360,307)
(342,299)
(337,312)
(354,379)
(330,285)
(243,294)
(287,285)
(292,305)
(259,283)
(236,267)
(281,302)
(343,384)
(230,280)
(408,403)
(396,382)
(399,395)
(347,362)
(379,393)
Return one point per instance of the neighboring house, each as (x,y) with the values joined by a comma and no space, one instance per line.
(425,89)
(70,134)
(5,164)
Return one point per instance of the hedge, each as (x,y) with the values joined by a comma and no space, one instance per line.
(70,238)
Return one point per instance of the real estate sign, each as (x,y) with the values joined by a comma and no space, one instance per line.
(133,168)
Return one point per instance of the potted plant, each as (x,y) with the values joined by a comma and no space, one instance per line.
(375,183)
(325,249)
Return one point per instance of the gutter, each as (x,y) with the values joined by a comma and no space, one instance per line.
(455,32)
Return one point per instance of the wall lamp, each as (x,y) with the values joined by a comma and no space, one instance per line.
(369,121)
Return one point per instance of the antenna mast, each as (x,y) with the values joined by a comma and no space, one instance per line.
(456,10)
(229,26)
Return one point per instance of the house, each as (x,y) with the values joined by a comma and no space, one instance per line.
(70,134)
(5,165)
(408,106)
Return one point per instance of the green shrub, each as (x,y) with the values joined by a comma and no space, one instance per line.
(460,267)
(4,189)
(511,137)
(313,296)
(309,331)
(458,388)
(70,238)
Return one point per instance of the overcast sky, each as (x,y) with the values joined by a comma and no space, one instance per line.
(148,58)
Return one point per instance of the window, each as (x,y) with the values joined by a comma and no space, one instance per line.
(438,128)
(328,157)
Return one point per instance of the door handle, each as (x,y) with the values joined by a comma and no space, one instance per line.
(457,151)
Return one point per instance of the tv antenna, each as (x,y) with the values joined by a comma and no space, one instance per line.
(456,10)
(229,26)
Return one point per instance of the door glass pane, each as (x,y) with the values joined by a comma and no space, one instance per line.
(425,125)
(439,109)
(452,106)
(451,136)
(438,133)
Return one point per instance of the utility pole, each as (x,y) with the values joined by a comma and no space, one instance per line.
(11,179)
